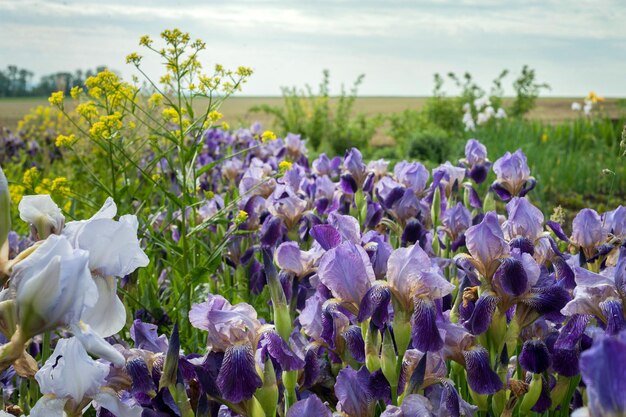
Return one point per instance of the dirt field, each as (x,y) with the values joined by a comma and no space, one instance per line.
(236,110)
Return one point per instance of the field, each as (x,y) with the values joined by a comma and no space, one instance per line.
(354,256)
(236,109)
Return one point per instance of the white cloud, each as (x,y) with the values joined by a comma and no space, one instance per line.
(398,44)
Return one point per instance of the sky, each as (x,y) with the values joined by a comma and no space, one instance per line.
(574,45)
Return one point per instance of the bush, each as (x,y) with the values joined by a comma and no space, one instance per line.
(434,145)
(332,127)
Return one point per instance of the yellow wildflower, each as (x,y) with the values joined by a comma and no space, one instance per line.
(215,116)
(64,141)
(75,92)
(155,99)
(30,176)
(133,58)
(225,126)
(170,114)
(16,192)
(544,137)
(56,98)
(106,126)
(88,110)
(267,136)
(284,166)
(242,216)
(244,71)
(145,40)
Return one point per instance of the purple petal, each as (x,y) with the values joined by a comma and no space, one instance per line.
(485,241)
(482,313)
(511,276)
(534,356)
(558,230)
(351,389)
(613,311)
(425,334)
(145,337)
(346,270)
(603,368)
(312,406)
(547,300)
(326,235)
(480,376)
(278,349)
(238,379)
(375,304)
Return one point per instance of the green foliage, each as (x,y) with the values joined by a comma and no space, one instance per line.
(527,90)
(433,145)
(328,124)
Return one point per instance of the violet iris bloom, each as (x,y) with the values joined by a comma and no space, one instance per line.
(232,329)
(486,245)
(615,221)
(285,204)
(513,176)
(455,221)
(603,368)
(347,271)
(601,295)
(476,161)
(415,284)
(588,231)
(412,175)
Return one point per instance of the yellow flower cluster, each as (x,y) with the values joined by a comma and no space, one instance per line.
(175,36)
(108,85)
(88,110)
(30,176)
(284,166)
(107,125)
(57,185)
(75,92)
(155,99)
(133,58)
(56,98)
(64,141)
(214,116)
(145,41)
(241,217)
(39,122)
(268,136)
(170,114)
(244,72)
(594,98)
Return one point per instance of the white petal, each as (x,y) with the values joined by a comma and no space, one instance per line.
(109,400)
(47,406)
(108,315)
(70,372)
(96,345)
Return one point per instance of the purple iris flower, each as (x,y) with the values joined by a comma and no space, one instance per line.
(412,175)
(588,230)
(353,163)
(296,147)
(226,324)
(358,391)
(513,176)
(450,177)
(603,369)
(455,221)
(322,165)
(524,220)
(378,168)
(412,405)
(476,161)
(416,284)
(285,204)
(601,295)
(347,271)
(486,245)
(232,329)
(311,406)
(615,221)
